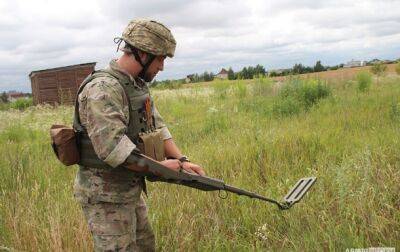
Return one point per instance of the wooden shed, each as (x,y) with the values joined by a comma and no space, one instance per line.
(58,85)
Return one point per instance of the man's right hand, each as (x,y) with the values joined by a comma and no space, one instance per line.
(173,164)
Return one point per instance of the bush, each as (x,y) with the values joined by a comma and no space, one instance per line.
(298,95)
(364,80)
(307,92)
(312,91)
(21,104)
(379,70)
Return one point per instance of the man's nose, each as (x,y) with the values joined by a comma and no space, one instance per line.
(161,66)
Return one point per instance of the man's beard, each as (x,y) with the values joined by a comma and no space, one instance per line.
(148,77)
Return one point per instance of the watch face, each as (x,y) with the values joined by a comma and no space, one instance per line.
(184,159)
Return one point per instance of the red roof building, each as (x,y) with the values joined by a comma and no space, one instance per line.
(223,74)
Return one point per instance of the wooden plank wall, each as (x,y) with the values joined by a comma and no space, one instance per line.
(58,86)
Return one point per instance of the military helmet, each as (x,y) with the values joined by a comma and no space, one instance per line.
(149,36)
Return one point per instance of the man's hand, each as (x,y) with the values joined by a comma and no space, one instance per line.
(193,168)
(176,165)
(173,164)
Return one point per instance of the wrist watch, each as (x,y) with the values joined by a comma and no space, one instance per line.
(184,159)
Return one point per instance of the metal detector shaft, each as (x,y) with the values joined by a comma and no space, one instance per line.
(239,191)
(158,172)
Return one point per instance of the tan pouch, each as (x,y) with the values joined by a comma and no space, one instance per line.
(151,144)
(63,141)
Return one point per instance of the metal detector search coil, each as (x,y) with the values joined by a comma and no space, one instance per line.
(299,190)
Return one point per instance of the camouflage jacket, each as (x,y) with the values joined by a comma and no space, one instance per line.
(104,113)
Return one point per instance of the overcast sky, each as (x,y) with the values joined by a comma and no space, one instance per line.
(40,34)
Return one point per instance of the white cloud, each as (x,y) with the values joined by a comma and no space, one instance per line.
(211,34)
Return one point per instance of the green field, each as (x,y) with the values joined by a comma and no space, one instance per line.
(259,136)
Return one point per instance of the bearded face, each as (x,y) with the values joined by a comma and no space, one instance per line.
(156,65)
(148,76)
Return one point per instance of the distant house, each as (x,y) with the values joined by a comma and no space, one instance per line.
(58,85)
(189,78)
(279,71)
(223,74)
(374,61)
(354,63)
(13,96)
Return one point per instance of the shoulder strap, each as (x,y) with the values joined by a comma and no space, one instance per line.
(100,73)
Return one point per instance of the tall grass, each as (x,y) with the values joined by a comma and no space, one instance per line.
(350,141)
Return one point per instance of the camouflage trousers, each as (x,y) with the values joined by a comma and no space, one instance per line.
(119,227)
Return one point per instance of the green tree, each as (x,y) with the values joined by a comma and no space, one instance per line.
(378,69)
(298,68)
(319,67)
(4,97)
(238,76)
(259,70)
(207,76)
(231,74)
(204,76)
(244,73)
(273,74)
(250,72)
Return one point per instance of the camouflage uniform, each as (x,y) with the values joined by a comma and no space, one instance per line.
(111,198)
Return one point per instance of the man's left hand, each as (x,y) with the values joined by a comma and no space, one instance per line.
(193,168)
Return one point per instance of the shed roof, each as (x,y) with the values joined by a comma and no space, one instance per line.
(223,71)
(62,68)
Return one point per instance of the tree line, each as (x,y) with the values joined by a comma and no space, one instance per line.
(251,72)
(299,68)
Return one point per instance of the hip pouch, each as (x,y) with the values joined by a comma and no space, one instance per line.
(151,144)
(64,143)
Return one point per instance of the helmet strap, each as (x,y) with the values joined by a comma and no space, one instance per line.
(146,65)
(118,40)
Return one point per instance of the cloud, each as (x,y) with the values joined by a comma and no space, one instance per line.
(211,34)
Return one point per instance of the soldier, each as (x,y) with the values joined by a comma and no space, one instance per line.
(115,115)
